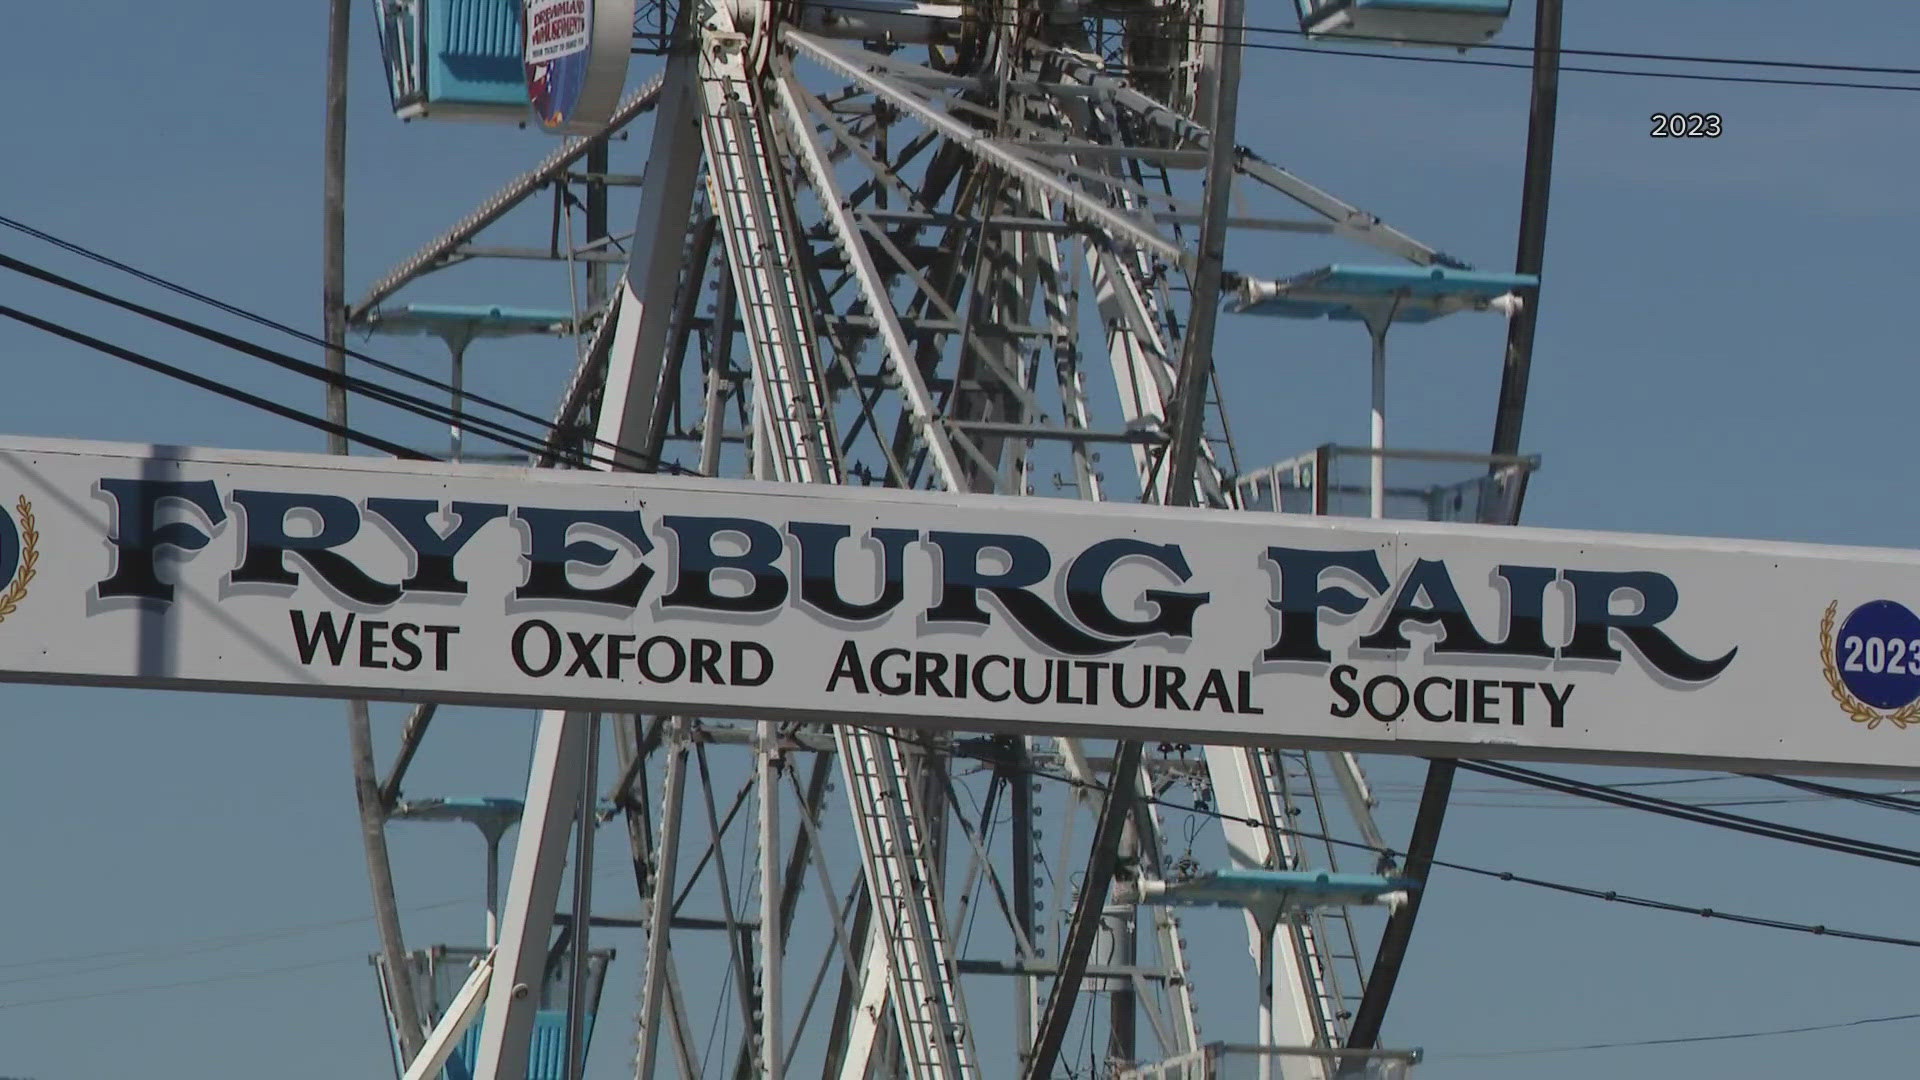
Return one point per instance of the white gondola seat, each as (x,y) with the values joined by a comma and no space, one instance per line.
(453,59)
(1459,23)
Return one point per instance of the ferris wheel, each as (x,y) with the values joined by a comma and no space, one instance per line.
(981,247)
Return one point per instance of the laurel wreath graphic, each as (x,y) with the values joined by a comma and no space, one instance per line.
(1859,711)
(29,555)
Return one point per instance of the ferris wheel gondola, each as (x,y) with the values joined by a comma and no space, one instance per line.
(1459,23)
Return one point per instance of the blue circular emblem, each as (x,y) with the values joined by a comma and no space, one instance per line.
(1878,654)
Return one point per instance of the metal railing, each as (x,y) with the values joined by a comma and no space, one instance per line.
(1421,485)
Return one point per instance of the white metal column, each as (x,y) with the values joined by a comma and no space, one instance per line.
(539,860)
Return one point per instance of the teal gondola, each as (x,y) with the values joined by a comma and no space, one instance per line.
(1454,23)
(453,59)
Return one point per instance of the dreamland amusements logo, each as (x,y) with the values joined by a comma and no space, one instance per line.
(559,38)
(1873,665)
(19,554)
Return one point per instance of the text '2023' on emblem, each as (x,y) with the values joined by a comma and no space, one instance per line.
(19,554)
(1872,663)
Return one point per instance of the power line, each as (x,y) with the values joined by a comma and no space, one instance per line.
(1815,793)
(1700,815)
(1511,797)
(259,319)
(1464,61)
(386,395)
(207,944)
(141,360)
(1682,780)
(1616,897)
(151,954)
(537,445)
(1681,1039)
(1886,800)
(1610,54)
(230,977)
(483,427)
(1607,895)
(1755,80)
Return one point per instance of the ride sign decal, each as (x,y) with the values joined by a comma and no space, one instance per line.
(575,55)
(310,575)
(559,33)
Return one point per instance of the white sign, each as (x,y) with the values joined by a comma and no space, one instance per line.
(575,55)
(309,575)
(557,28)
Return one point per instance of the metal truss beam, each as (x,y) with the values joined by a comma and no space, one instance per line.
(1342,218)
(410,737)
(643,314)
(553,794)
(502,201)
(654,993)
(1120,225)
(1196,356)
(900,361)
(1085,926)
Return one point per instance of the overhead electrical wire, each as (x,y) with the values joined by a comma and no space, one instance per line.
(1754,80)
(1701,815)
(1612,54)
(1814,793)
(1608,54)
(481,426)
(1886,800)
(1574,803)
(1676,1040)
(1606,895)
(261,320)
(848,5)
(385,395)
(1715,779)
(373,442)
(146,953)
(120,958)
(181,984)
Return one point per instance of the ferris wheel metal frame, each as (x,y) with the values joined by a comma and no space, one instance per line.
(852,265)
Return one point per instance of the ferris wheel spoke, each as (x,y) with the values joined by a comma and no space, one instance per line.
(643,317)
(960,134)
(899,361)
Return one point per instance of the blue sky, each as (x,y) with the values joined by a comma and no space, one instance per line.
(1725,349)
